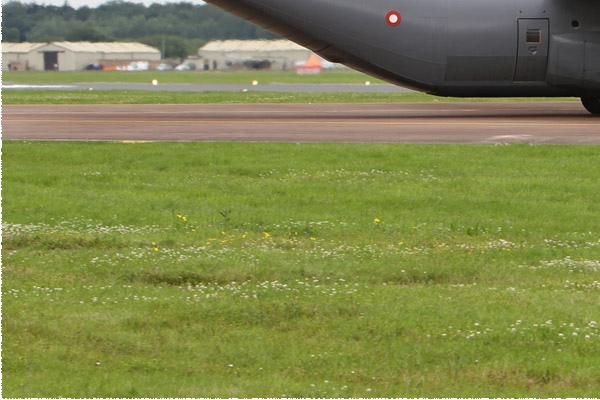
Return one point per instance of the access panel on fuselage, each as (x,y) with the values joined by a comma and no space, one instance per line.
(532,53)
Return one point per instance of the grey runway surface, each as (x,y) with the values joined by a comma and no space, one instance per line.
(520,122)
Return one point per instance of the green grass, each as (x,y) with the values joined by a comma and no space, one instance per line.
(37,96)
(182,77)
(18,97)
(23,97)
(304,270)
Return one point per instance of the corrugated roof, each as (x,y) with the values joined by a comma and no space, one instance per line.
(107,47)
(24,47)
(88,47)
(251,45)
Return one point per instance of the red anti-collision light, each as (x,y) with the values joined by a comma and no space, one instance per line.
(393,18)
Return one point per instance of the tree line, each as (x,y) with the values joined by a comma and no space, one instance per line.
(178,29)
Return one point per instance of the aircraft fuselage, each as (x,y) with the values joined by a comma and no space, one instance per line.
(461,48)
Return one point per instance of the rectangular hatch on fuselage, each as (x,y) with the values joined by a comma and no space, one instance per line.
(532,53)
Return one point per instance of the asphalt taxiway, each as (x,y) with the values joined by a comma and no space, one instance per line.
(437,122)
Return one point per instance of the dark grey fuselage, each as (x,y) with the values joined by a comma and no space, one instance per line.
(448,47)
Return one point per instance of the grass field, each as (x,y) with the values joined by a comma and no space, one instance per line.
(22,97)
(190,77)
(43,96)
(313,270)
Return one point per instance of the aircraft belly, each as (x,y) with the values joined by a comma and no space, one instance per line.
(591,69)
(575,61)
(413,53)
(480,68)
(454,48)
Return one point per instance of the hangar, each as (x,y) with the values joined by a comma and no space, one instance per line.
(72,56)
(15,56)
(276,55)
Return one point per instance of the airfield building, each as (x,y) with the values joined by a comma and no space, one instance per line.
(73,56)
(275,55)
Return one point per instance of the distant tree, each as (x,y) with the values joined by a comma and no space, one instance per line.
(83,13)
(122,8)
(50,28)
(11,35)
(184,25)
(16,15)
(85,34)
(170,46)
